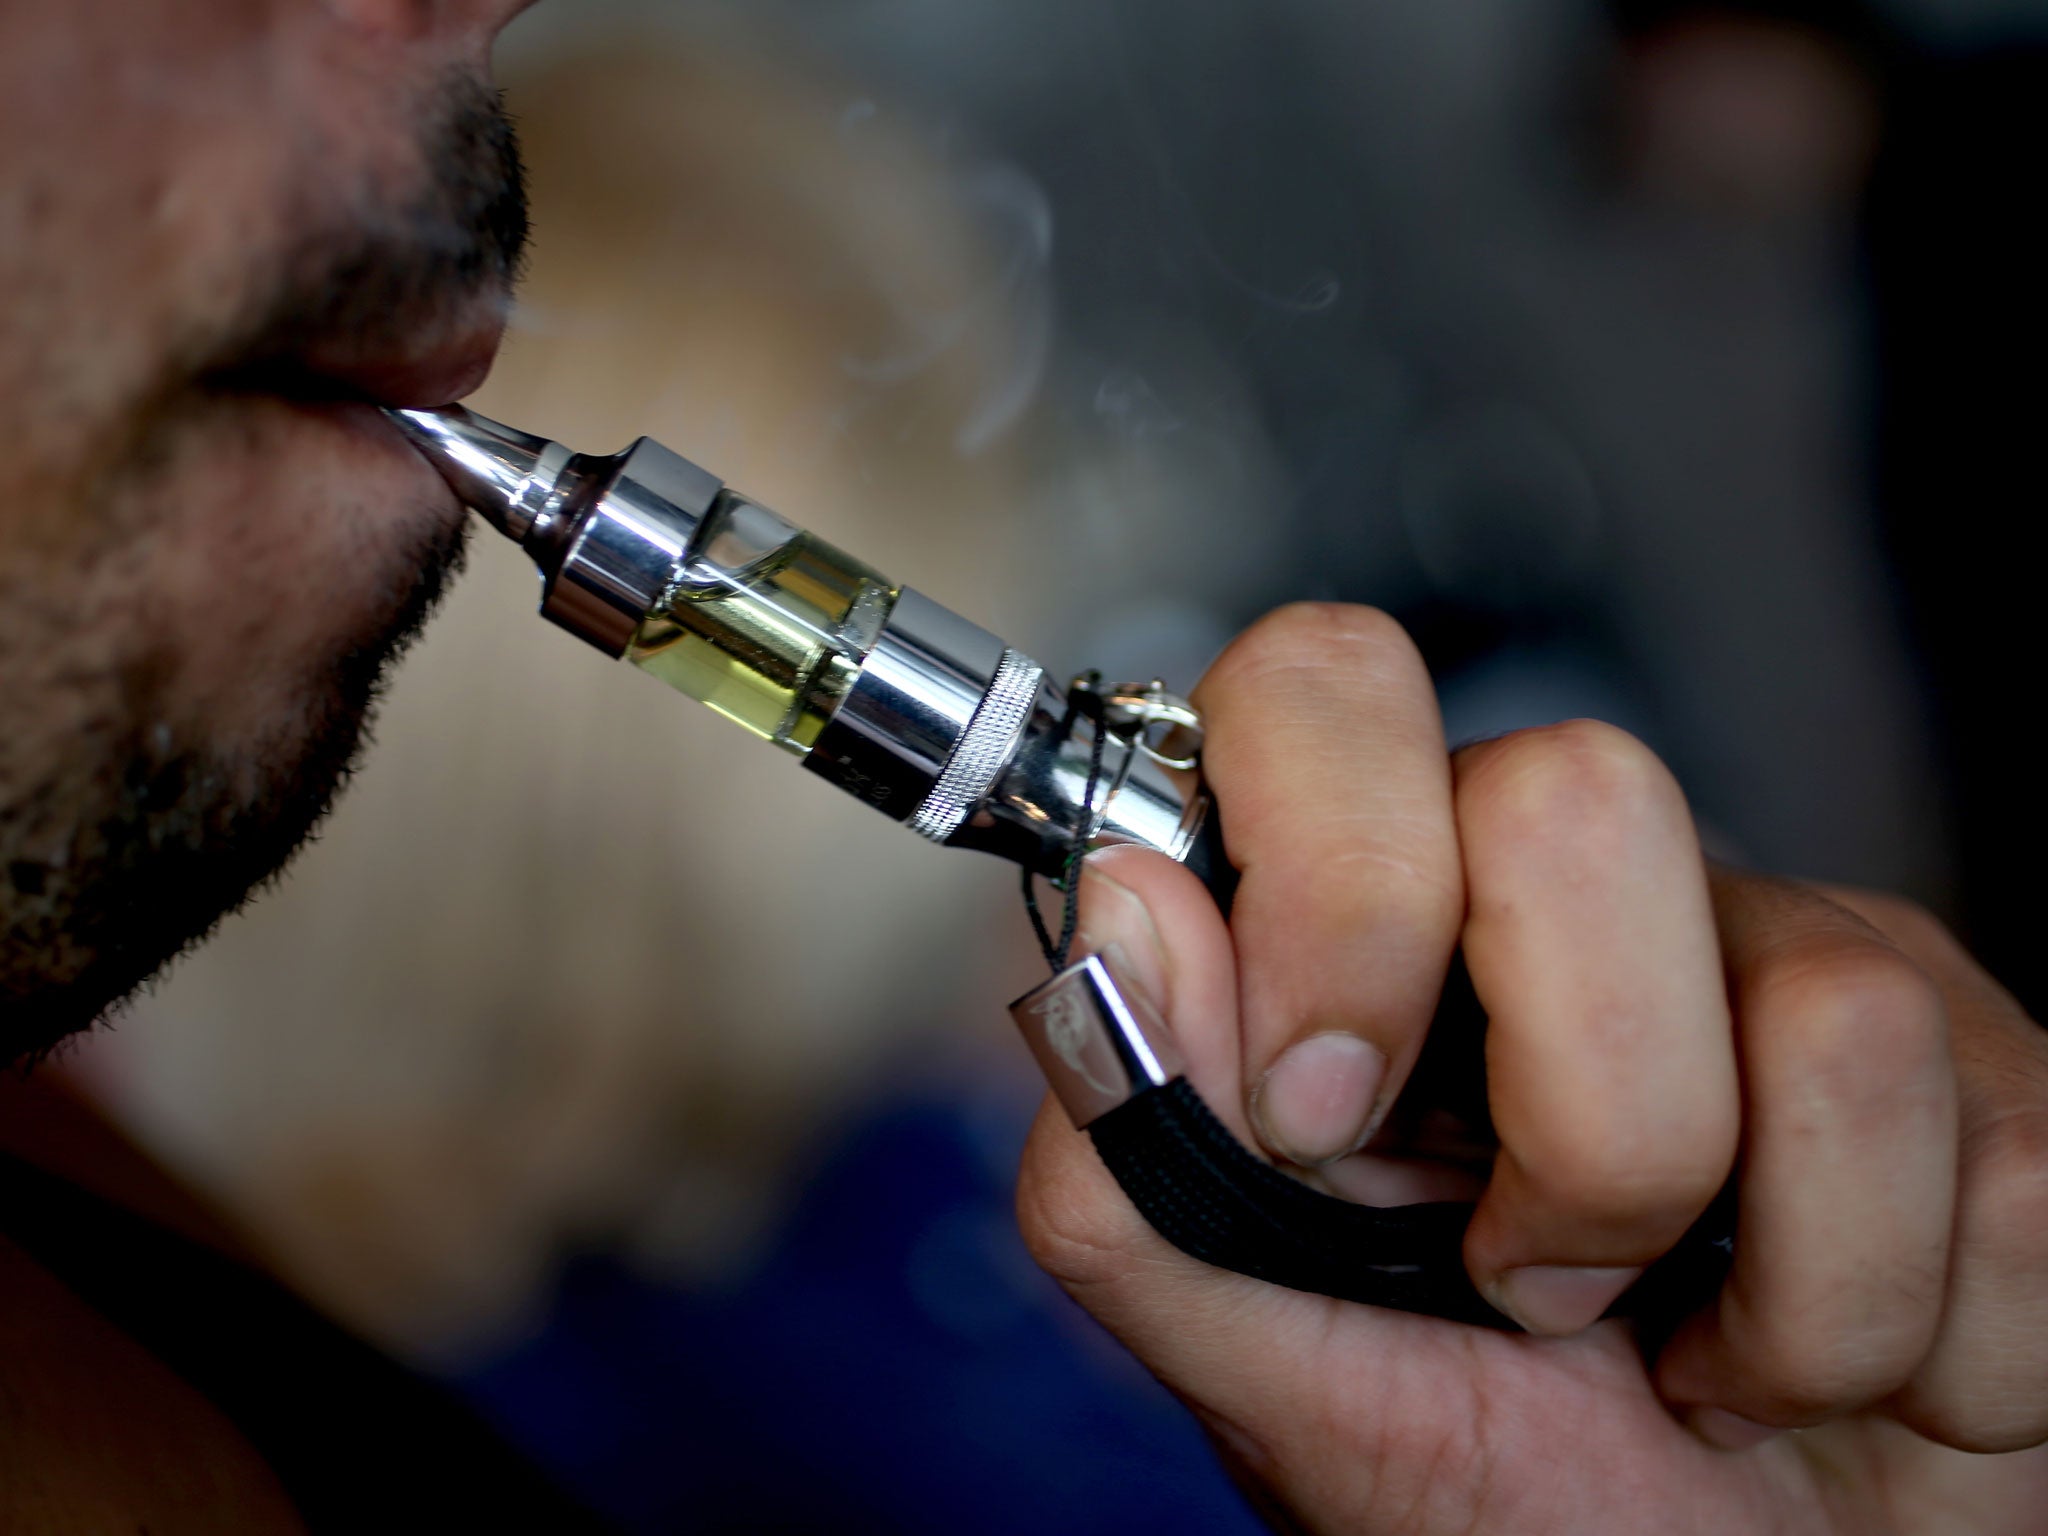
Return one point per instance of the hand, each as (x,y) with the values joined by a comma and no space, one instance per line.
(1654,1024)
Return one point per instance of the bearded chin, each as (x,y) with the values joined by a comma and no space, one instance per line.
(176,838)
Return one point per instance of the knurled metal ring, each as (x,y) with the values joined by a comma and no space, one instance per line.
(984,748)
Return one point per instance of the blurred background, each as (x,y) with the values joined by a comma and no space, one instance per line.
(1672,363)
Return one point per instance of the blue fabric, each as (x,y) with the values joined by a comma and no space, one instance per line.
(896,1364)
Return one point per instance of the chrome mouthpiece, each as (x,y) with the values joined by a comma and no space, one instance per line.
(494,469)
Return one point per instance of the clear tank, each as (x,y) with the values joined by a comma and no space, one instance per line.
(766,623)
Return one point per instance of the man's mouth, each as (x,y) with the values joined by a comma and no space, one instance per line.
(432,365)
(389,299)
(410,367)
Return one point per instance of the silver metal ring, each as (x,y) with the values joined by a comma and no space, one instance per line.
(984,749)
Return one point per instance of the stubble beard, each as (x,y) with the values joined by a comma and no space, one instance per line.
(127,829)
(133,842)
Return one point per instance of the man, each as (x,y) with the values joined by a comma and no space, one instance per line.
(228,228)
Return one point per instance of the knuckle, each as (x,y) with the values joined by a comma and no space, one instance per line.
(1900,919)
(1814,1389)
(2005,1193)
(1411,899)
(1981,1423)
(1319,638)
(1803,1371)
(1563,781)
(1862,1023)
(1897,914)
(1624,1173)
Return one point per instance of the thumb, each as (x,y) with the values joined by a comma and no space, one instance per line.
(1350,1417)
(1197,1327)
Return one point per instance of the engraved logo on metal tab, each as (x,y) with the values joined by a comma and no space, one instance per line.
(1069,1030)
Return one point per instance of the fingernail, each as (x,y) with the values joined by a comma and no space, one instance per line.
(1114,922)
(1557,1299)
(1315,1104)
(1728,1431)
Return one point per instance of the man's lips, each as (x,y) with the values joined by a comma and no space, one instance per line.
(433,365)
(433,362)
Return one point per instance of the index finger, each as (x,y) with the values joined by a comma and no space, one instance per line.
(1327,757)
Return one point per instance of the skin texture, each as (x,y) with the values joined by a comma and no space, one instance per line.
(1654,1023)
(261,214)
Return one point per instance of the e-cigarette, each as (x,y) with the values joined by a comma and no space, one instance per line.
(895,698)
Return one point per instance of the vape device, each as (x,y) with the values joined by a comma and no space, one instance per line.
(895,698)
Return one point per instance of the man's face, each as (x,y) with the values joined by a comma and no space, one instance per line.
(226,226)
